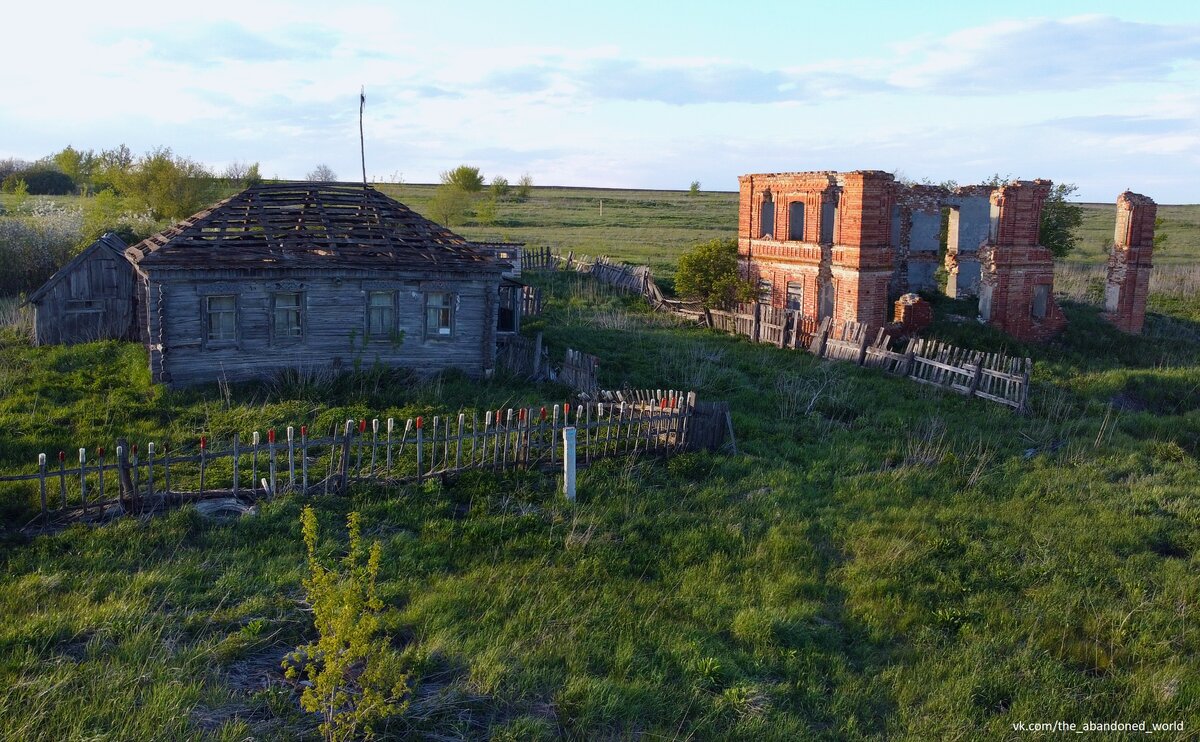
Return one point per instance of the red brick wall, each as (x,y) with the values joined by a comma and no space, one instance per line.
(1130,263)
(1013,263)
(860,259)
(1020,205)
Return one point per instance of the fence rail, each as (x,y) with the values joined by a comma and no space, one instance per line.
(992,376)
(390,450)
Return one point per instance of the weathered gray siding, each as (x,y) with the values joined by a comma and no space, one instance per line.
(91,299)
(334,320)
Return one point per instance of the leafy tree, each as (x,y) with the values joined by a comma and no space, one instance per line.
(42,180)
(524,186)
(449,205)
(466,178)
(76,164)
(12,166)
(171,186)
(500,187)
(485,212)
(20,192)
(694,188)
(321,174)
(112,168)
(708,273)
(1061,219)
(242,175)
(355,677)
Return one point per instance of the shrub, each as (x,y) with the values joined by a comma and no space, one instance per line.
(464,177)
(356,678)
(708,273)
(524,186)
(449,205)
(43,181)
(500,187)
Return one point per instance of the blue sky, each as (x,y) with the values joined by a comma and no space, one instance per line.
(629,94)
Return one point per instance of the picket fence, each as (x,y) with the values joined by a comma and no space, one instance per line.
(383,451)
(996,377)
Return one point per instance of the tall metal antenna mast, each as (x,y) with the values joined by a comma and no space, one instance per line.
(362,147)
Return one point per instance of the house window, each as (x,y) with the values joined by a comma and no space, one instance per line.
(83,305)
(796,221)
(222,318)
(1041,297)
(287,318)
(766,217)
(439,315)
(381,313)
(795,295)
(764,290)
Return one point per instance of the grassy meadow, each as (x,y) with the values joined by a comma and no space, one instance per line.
(878,561)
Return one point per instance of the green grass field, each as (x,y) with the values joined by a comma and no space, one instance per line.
(879,560)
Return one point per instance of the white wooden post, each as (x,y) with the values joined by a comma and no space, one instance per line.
(149,469)
(291,433)
(42,479)
(271,449)
(569,462)
(83,478)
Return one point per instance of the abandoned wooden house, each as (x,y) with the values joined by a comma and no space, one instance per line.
(90,298)
(313,275)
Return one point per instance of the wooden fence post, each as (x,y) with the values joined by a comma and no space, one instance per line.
(291,439)
(391,423)
(304,458)
(42,482)
(83,479)
(62,477)
(374,443)
(149,470)
(1023,403)
(862,347)
(347,441)
(271,452)
(124,482)
(976,378)
(254,439)
(756,328)
(237,454)
(420,448)
(203,446)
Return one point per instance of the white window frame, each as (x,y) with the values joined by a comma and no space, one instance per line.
(447,304)
(287,339)
(389,327)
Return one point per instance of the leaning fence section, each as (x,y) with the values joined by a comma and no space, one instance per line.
(996,377)
(101,482)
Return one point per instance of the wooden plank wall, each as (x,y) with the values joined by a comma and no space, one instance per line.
(335,325)
(106,281)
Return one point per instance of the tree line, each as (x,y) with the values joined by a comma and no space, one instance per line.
(168,185)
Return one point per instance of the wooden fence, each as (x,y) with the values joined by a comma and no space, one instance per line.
(531,301)
(538,259)
(991,376)
(382,451)
(579,371)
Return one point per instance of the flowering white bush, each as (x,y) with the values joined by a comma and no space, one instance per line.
(35,241)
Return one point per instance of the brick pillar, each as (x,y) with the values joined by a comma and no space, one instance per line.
(862,255)
(1129,264)
(1016,291)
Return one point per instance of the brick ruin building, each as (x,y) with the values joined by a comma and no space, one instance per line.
(1016,288)
(846,245)
(1129,263)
